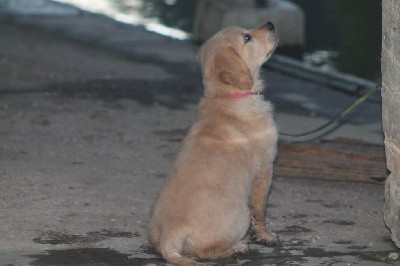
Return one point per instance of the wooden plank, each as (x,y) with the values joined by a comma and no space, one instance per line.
(339,159)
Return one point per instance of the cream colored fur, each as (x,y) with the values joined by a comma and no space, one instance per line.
(218,185)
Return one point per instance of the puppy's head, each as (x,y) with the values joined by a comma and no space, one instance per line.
(231,60)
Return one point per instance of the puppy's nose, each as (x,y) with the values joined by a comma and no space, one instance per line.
(270,25)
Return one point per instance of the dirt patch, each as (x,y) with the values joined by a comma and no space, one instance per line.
(293,230)
(56,238)
(91,256)
(331,205)
(339,222)
(342,242)
(355,247)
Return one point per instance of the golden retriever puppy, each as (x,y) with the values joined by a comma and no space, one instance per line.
(218,185)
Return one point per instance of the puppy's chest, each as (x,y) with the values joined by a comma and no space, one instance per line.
(262,131)
(262,134)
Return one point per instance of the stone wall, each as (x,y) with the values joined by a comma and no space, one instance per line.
(391,112)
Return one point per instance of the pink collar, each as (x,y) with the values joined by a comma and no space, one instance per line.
(239,95)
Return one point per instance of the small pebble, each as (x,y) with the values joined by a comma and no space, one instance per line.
(315,239)
(393,256)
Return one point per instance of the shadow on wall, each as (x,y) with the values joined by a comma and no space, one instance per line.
(351,29)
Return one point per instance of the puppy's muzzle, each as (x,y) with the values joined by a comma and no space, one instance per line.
(268,26)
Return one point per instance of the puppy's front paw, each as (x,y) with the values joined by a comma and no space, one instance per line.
(241,247)
(267,239)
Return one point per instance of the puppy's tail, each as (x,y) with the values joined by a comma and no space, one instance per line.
(171,251)
(174,257)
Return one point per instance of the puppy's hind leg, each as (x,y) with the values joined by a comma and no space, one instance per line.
(221,251)
(239,247)
(172,248)
(174,257)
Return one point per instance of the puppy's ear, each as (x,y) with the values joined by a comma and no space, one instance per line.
(231,69)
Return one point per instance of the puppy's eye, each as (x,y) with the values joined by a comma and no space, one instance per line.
(247,38)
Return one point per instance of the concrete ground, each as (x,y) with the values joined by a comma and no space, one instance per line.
(92,114)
